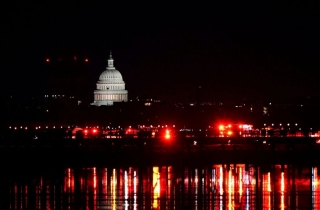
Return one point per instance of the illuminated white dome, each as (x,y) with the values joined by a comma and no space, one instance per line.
(110,87)
(111,76)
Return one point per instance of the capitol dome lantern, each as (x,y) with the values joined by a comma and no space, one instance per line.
(110,87)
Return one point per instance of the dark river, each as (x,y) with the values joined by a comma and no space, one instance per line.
(220,186)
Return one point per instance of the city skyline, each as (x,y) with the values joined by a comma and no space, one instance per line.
(232,51)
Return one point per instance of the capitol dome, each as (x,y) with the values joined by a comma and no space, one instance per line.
(111,76)
(110,87)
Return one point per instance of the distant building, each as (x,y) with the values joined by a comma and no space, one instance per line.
(110,87)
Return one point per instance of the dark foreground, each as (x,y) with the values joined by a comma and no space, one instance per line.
(216,173)
(194,151)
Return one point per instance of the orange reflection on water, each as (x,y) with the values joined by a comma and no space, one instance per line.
(282,190)
(266,191)
(221,180)
(240,182)
(230,190)
(114,188)
(156,186)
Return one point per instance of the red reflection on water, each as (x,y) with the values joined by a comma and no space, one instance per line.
(48,204)
(26,196)
(94,188)
(69,181)
(15,196)
(105,183)
(165,187)
(168,188)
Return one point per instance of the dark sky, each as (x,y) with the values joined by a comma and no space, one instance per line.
(165,51)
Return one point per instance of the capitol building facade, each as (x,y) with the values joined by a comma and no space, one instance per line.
(110,87)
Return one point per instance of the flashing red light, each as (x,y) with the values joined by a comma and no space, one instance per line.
(47,60)
(85,131)
(94,131)
(221,127)
(86,60)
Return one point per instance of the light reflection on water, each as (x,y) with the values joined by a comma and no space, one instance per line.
(220,186)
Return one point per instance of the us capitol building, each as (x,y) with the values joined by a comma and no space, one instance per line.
(110,87)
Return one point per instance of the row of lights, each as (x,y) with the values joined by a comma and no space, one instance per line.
(37,127)
(151,126)
(221,127)
(107,127)
(287,125)
(272,124)
(85,60)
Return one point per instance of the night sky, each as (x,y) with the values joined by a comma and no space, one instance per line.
(232,50)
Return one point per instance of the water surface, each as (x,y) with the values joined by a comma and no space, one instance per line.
(220,186)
